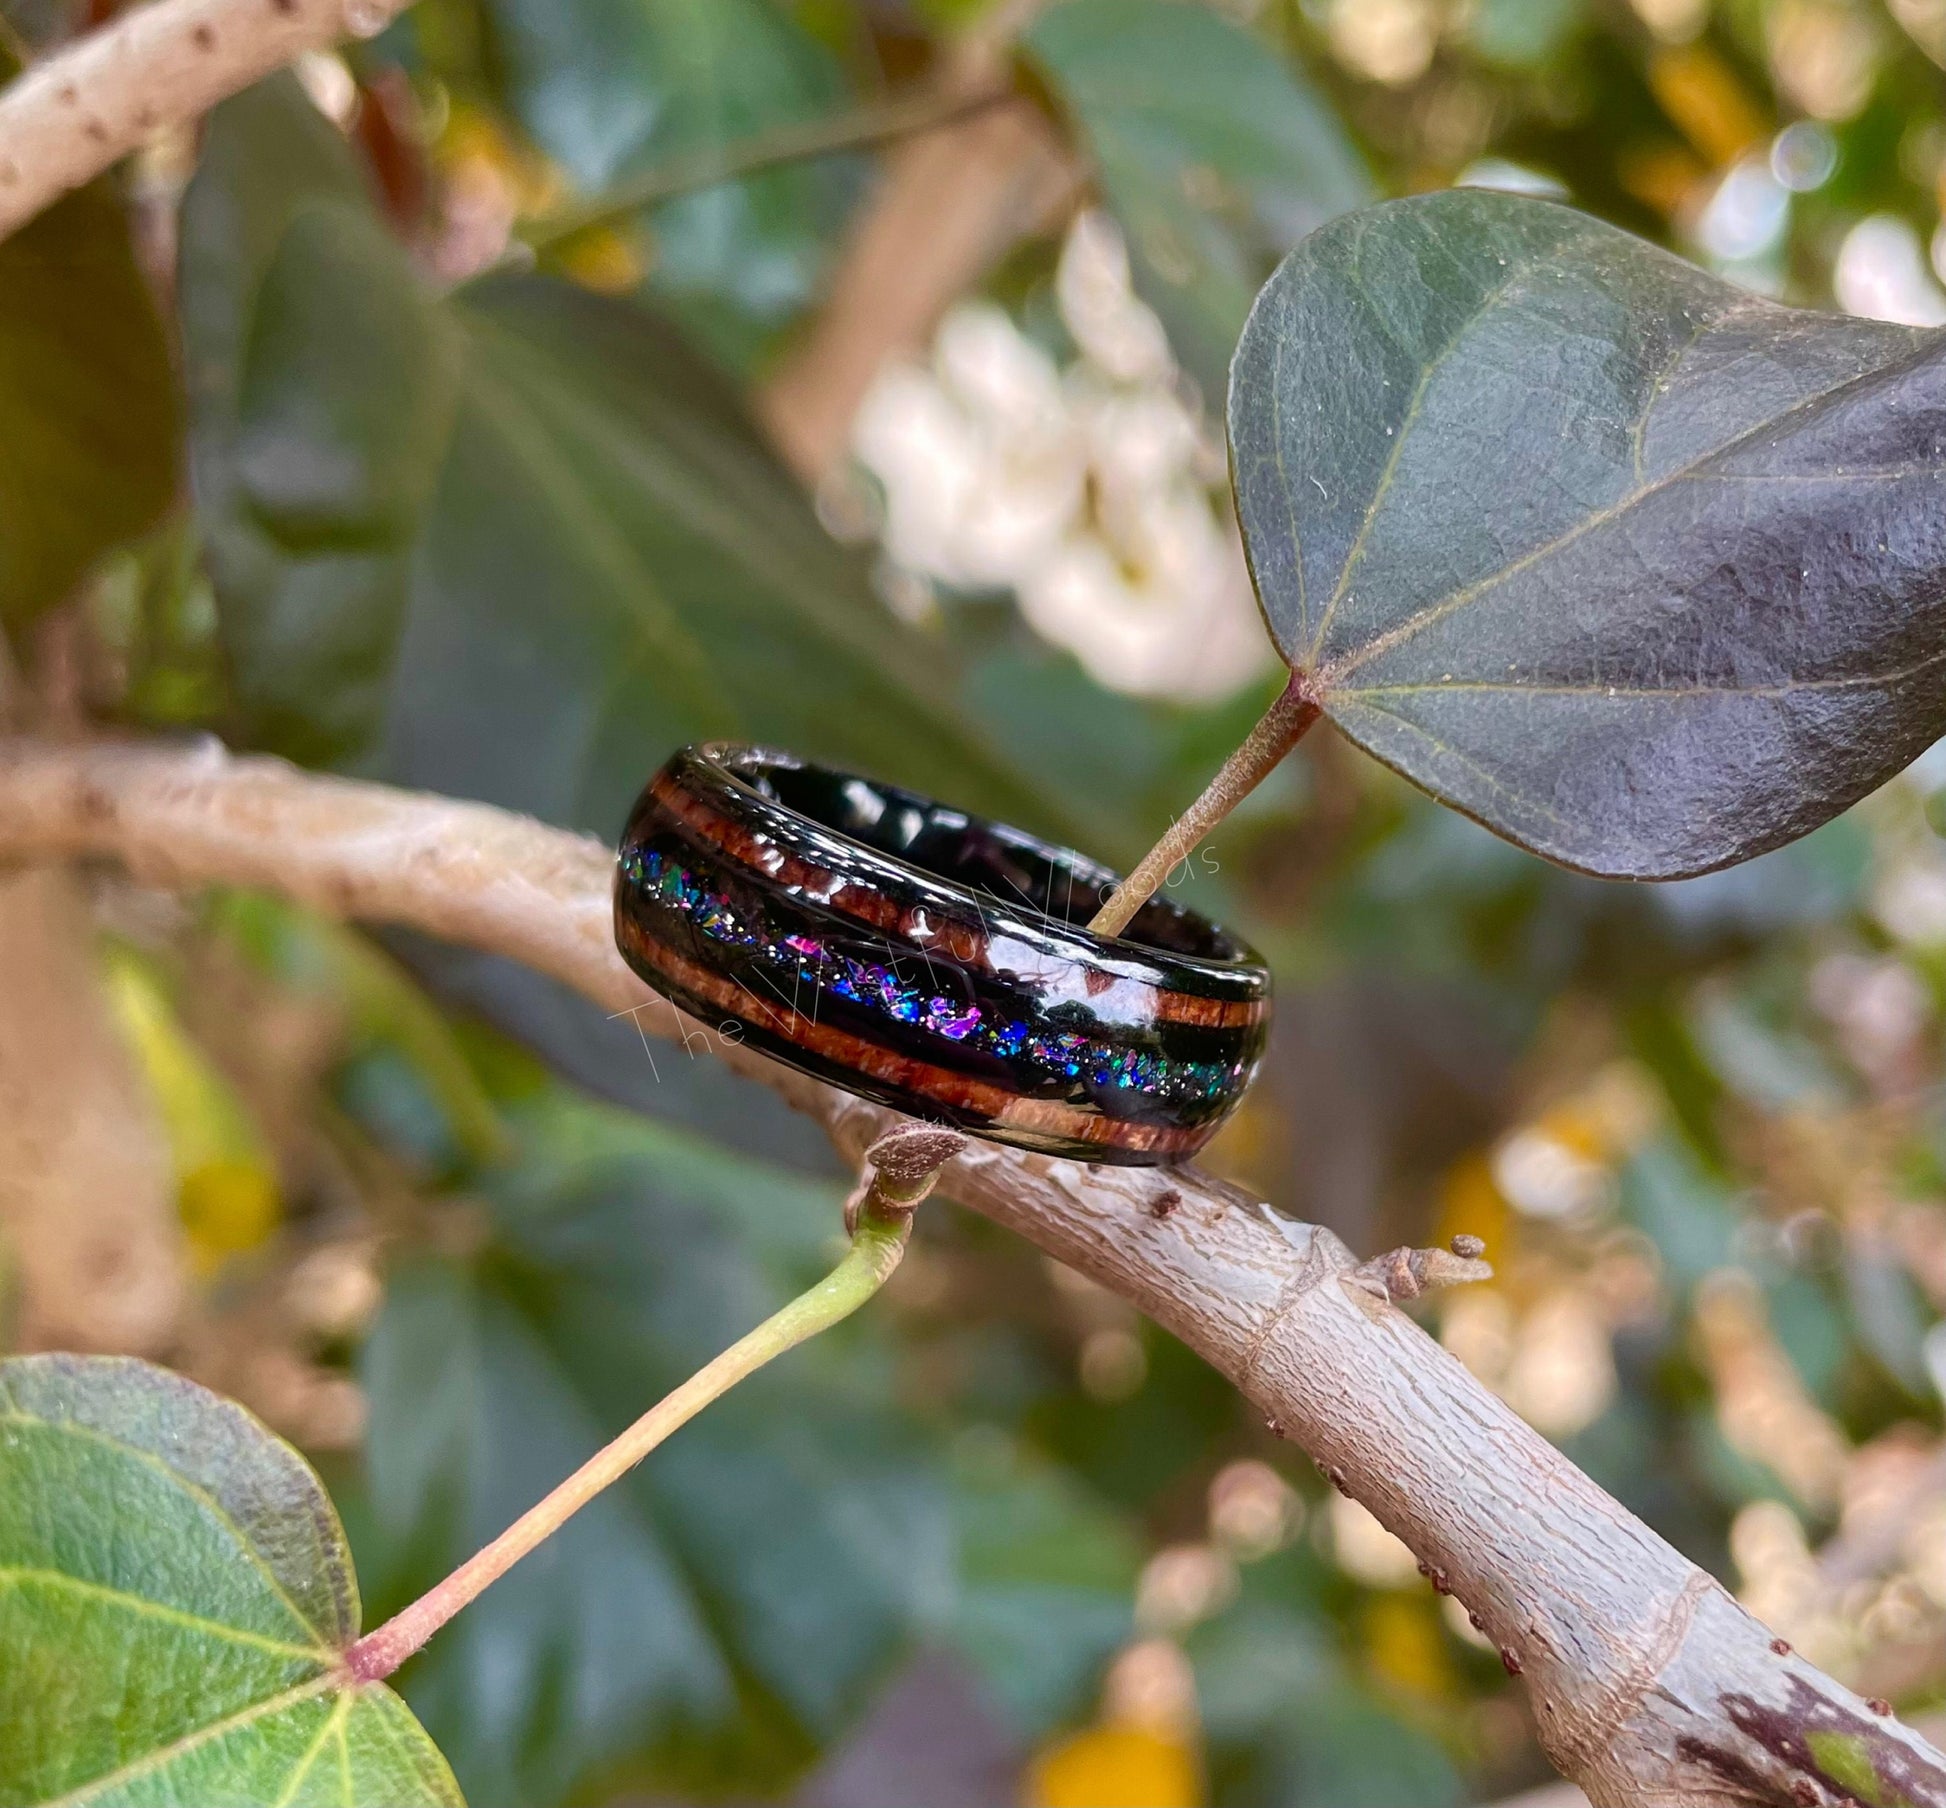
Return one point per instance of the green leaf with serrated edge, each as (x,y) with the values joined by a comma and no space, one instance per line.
(88,411)
(515,545)
(1643,572)
(174,1596)
(1215,156)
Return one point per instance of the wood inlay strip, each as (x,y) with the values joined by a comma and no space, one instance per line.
(764,860)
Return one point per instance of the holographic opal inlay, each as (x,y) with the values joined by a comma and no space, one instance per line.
(1060,1056)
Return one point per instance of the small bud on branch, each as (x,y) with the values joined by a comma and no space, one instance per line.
(1403,1274)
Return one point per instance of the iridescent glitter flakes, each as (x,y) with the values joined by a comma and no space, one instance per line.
(806,968)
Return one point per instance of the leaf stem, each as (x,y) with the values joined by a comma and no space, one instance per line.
(1282,726)
(898,117)
(874,1253)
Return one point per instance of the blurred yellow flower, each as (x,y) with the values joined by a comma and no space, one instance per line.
(1404,1644)
(226,1180)
(1703,97)
(1116,1767)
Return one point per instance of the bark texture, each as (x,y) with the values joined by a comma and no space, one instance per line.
(82,109)
(1650,1684)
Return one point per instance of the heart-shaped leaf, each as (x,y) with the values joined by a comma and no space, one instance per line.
(174,1596)
(1645,573)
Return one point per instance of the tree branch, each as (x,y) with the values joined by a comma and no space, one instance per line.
(85,107)
(88,1217)
(1650,1684)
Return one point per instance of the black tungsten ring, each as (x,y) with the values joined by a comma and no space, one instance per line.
(932,960)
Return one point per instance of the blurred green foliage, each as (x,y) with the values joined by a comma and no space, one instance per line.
(88,412)
(1156,90)
(511,533)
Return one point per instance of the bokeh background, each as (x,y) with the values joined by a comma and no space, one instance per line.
(456,461)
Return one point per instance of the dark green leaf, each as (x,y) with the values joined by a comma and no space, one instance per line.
(1290,1723)
(1889,1314)
(600,83)
(1668,1194)
(174,1595)
(1212,153)
(1809,1325)
(1046,1584)
(87,397)
(616,564)
(1641,571)
(321,384)
(517,546)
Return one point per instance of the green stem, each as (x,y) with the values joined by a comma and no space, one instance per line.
(874,1254)
(897,118)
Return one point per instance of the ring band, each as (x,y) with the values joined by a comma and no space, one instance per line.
(932,960)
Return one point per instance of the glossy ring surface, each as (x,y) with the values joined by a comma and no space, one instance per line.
(932,960)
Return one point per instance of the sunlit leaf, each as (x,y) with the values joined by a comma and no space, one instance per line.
(1643,572)
(226,1177)
(1132,1766)
(174,1596)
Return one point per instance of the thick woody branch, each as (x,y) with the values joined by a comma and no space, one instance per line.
(1649,1683)
(163,64)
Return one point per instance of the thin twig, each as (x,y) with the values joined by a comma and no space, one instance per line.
(159,65)
(1280,729)
(903,116)
(1406,1273)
